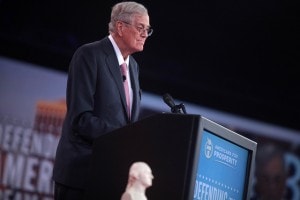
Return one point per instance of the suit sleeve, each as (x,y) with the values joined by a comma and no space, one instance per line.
(85,124)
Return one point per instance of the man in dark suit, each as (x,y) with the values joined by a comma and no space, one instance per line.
(96,99)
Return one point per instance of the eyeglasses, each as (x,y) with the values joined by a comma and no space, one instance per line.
(141,29)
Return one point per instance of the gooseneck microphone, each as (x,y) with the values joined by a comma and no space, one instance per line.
(174,108)
(168,100)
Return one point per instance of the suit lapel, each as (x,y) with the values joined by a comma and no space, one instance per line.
(114,68)
(133,79)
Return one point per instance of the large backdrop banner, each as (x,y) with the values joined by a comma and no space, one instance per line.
(32,109)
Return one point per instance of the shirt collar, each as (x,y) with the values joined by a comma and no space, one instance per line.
(118,52)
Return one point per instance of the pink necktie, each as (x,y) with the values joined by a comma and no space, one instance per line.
(126,86)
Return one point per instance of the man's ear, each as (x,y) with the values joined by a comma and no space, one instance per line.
(135,175)
(119,27)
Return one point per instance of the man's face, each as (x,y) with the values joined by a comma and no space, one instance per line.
(136,34)
(271,180)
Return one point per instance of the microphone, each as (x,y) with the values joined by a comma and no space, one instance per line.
(174,108)
(168,100)
(124,78)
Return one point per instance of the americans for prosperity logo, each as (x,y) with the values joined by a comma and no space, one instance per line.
(220,154)
(209,148)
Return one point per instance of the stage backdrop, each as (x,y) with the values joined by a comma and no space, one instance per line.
(32,109)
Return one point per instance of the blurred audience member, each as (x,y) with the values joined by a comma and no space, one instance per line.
(270,172)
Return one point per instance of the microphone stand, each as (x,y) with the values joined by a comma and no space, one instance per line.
(174,108)
(180,108)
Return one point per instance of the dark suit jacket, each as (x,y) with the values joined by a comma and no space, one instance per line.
(96,105)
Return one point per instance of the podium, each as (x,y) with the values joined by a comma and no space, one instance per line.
(168,143)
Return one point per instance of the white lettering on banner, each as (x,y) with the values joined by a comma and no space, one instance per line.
(44,145)
(28,173)
(13,170)
(6,137)
(45,174)
(26,163)
(27,141)
(204,191)
(226,156)
(293,181)
(9,194)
